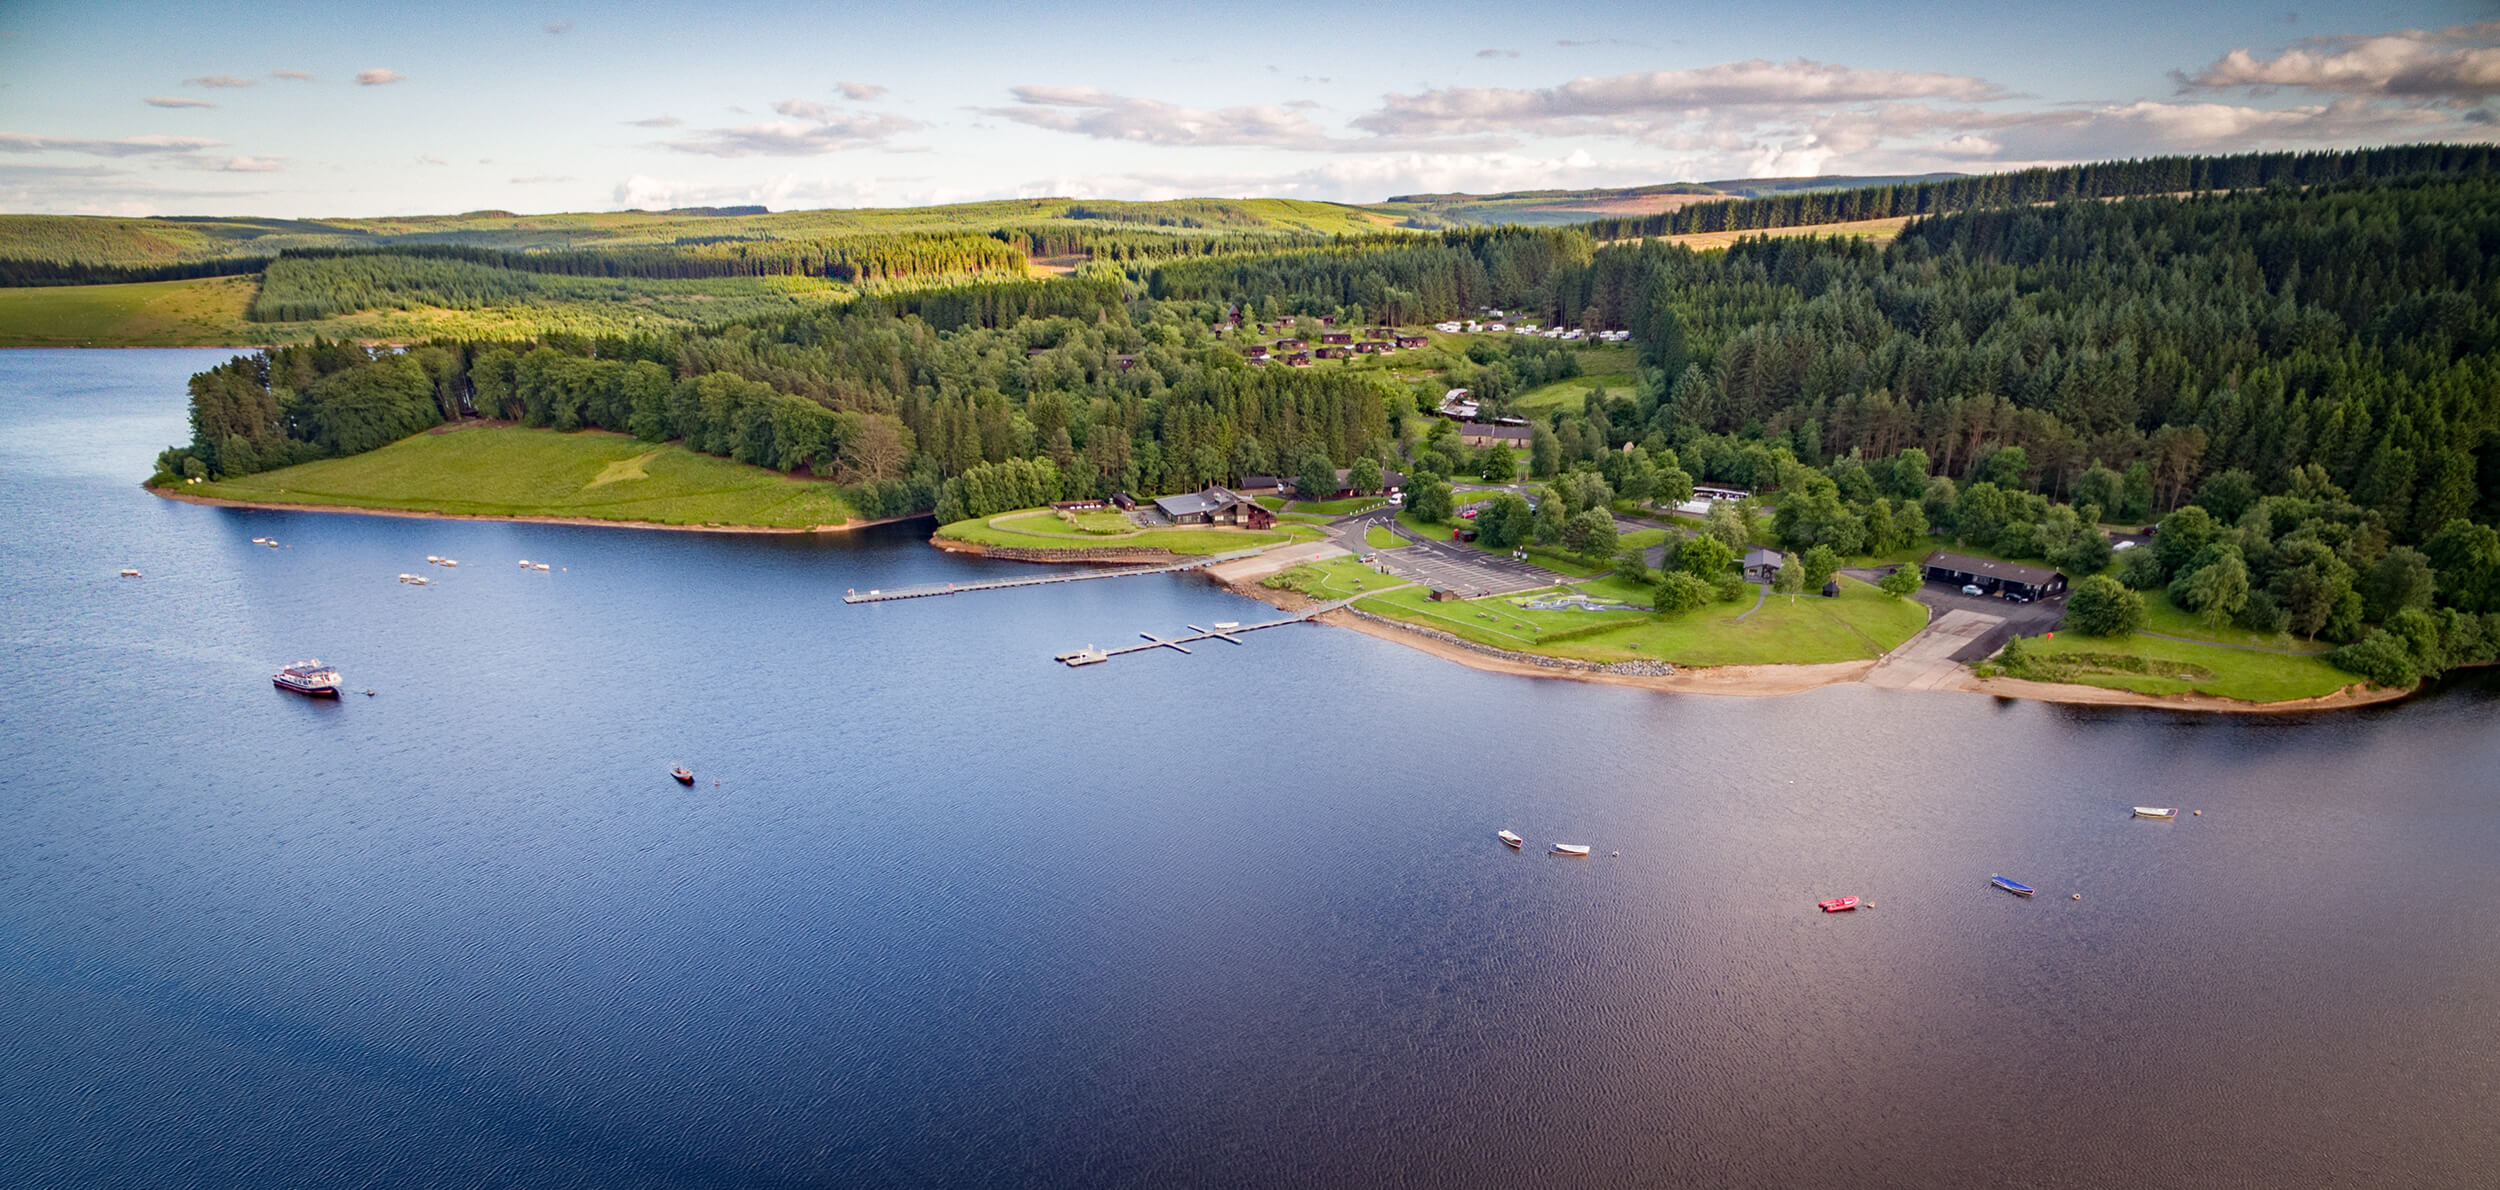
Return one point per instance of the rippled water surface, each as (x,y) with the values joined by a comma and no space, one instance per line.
(955,915)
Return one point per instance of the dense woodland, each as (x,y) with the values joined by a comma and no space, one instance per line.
(2103,180)
(2301,382)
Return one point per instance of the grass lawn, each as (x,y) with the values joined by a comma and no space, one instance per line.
(1572,394)
(1861,624)
(1336,578)
(2169,619)
(511,471)
(1380,537)
(1641,539)
(2150,666)
(1089,526)
(1335,508)
(1011,529)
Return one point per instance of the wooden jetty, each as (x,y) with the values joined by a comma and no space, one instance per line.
(1072,576)
(1089,655)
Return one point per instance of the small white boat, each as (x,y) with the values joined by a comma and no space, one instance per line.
(539,566)
(260,541)
(1577,850)
(431,558)
(449,562)
(1227,625)
(129,573)
(271,543)
(2164,813)
(525,563)
(1509,839)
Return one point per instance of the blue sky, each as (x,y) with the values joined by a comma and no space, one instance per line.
(217,107)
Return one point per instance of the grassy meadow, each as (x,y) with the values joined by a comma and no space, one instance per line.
(510,471)
(1863,623)
(1042,529)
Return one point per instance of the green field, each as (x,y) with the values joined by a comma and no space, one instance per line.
(1863,623)
(2149,666)
(204,312)
(1611,367)
(1335,578)
(209,312)
(509,471)
(1038,530)
(1380,537)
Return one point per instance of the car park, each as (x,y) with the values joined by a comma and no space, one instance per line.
(1972,589)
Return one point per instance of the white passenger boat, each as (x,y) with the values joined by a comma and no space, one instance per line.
(1509,839)
(2164,813)
(1579,850)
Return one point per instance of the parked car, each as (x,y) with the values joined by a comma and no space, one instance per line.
(1972,589)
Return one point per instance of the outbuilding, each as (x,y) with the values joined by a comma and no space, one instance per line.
(1761,565)
(2010,579)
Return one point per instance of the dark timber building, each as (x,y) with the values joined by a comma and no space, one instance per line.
(1993,577)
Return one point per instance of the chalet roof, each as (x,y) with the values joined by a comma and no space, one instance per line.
(1762,557)
(1491,430)
(2037,576)
(1212,499)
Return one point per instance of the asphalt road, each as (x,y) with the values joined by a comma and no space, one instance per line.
(1442,565)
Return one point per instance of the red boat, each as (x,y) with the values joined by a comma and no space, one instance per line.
(683,777)
(1837,904)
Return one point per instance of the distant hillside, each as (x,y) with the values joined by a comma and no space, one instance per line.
(1556,208)
(68,249)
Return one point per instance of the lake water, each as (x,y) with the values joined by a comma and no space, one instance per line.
(956,915)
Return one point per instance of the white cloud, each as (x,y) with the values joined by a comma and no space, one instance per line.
(788,192)
(218,80)
(128,146)
(862,92)
(232,165)
(2459,64)
(1606,104)
(656,122)
(378,77)
(1090,111)
(293,76)
(176,101)
(824,131)
(1497,53)
(807,109)
(431,159)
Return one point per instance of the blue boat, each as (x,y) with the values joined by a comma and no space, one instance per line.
(2016,887)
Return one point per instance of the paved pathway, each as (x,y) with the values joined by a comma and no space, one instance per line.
(1758,601)
(1443,565)
(1925,661)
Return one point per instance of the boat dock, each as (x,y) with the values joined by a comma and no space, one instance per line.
(1072,576)
(1089,655)
(1229,633)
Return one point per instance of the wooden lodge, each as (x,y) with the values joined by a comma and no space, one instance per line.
(1338,338)
(1215,506)
(1335,353)
(1079,505)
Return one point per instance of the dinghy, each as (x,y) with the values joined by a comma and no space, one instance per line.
(1577,850)
(1509,839)
(2163,813)
(1837,904)
(2016,887)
